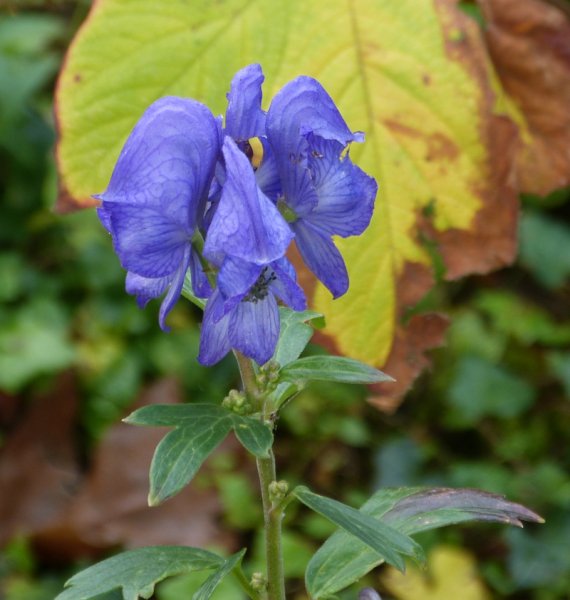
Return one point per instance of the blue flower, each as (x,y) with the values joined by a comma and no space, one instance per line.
(323,192)
(247,240)
(157,195)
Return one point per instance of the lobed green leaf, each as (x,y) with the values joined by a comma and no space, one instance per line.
(342,559)
(199,430)
(136,572)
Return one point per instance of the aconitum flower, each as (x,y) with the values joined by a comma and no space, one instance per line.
(247,240)
(323,192)
(157,194)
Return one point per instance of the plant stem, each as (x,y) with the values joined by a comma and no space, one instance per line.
(272,514)
(246,586)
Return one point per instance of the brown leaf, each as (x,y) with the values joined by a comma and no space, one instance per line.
(408,359)
(529,42)
(111,509)
(38,463)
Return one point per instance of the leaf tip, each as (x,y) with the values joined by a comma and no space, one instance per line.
(153,499)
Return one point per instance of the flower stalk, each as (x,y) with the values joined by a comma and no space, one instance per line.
(272,512)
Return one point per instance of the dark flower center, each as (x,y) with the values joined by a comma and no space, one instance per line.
(260,288)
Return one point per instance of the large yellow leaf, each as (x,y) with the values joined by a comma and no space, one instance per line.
(452,575)
(412,74)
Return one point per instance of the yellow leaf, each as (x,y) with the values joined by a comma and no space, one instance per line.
(412,74)
(452,574)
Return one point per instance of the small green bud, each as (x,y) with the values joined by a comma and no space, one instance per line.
(237,402)
(277,491)
(258,582)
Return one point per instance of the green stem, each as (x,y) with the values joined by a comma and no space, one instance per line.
(272,514)
(246,586)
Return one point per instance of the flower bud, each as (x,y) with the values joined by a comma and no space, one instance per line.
(277,491)
(258,582)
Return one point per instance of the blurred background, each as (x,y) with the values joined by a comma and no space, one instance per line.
(76,355)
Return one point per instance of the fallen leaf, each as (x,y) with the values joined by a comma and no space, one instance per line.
(111,509)
(38,463)
(529,43)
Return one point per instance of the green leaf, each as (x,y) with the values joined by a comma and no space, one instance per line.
(342,560)
(545,248)
(480,388)
(254,435)
(295,333)
(331,368)
(382,539)
(33,341)
(208,587)
(199,430)
(136,572)
(525,322)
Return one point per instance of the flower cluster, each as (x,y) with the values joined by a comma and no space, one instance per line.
(222,202)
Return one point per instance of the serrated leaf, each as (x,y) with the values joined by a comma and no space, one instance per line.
(342,560)
(434,140)
(209,586)
(295,333)
(199,430)
(382,539)
(331,368)
(136,572)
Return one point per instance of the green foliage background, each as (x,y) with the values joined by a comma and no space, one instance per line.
(494,412)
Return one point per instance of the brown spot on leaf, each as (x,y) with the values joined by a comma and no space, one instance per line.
(438,146)
(529,43)
(77,78)
(490,241)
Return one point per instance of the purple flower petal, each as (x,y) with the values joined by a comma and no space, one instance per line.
(214,337)
(244,117)
(160,185)
(267,175)
(168,160)
(345,193)
(174,290)
(146,289)
(285,286)
(254,328)
(236,277)
(200,284)
(321,256)
(147,242)
(303,106)
(246,224)
(105,218)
